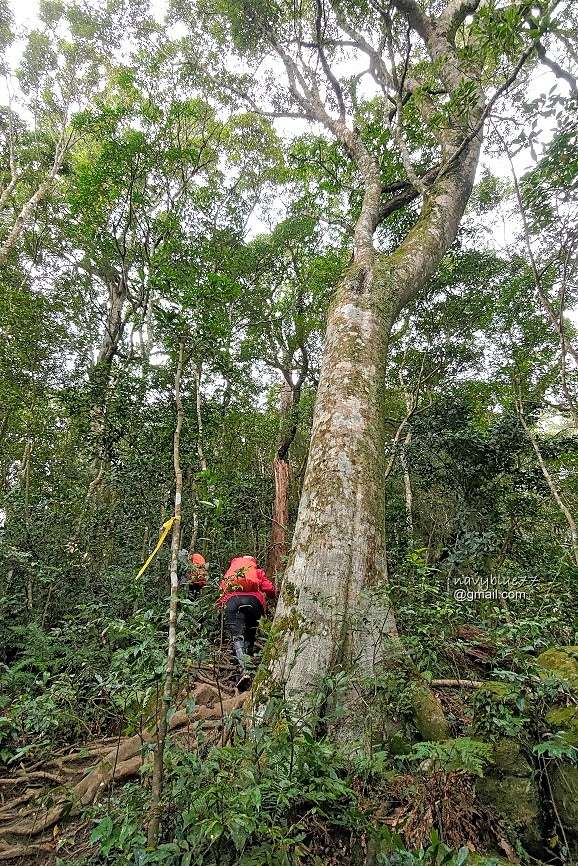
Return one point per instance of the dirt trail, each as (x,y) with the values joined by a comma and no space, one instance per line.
(34,799)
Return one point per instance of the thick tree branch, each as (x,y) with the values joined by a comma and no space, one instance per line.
(64,142)
(556,68)
(8,190)
(399,201)
(455,14)
(415,16)
(326,68)
(405,193)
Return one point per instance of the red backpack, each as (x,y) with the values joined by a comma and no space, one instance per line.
(241,575)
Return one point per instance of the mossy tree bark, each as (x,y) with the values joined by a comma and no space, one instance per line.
(334,609)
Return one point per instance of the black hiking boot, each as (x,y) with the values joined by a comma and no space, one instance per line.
(244,683)
(239,649)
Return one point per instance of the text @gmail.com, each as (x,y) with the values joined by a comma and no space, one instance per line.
(488,594)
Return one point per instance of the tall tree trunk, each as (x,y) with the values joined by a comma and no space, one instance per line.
(339,540)
(158,764)
(278,546)
(334,611)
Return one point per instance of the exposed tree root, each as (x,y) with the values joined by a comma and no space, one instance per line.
(36,798)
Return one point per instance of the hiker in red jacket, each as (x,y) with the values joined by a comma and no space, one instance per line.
(192,571)
(198,573)
(244,589)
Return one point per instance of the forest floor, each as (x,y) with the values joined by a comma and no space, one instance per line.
(42,803)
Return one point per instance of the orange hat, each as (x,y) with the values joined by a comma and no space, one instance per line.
(197,559)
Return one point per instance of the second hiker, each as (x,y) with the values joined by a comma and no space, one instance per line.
(192,571)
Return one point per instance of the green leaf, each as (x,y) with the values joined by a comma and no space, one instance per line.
(102,830)
(126,831)
(463,855)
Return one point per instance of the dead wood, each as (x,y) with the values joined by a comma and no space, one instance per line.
(25,851)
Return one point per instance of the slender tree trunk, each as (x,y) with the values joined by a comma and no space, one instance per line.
(63,144)
(9,188)
(25,470)
(278,547)
(407,486)
(29,594)
(200,449)
(201,453)
(556,320)
(195,532)
(4,430)
(552,485)
(102,384)
(158,764)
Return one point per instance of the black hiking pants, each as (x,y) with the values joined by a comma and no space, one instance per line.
(242,614)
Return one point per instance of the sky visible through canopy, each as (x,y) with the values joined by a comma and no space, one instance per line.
(501,232)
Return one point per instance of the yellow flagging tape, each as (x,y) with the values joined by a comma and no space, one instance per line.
(163,535)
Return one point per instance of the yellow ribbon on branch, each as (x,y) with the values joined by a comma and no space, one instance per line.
(166,526)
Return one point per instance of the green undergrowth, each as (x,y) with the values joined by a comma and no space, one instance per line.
(430,618)
(281,795)
(69,684)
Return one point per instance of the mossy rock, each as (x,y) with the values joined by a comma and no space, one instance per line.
(509,787)
(562,661)
(564,719)
(564,783)
(498,691)
(509,760)
(513,797)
